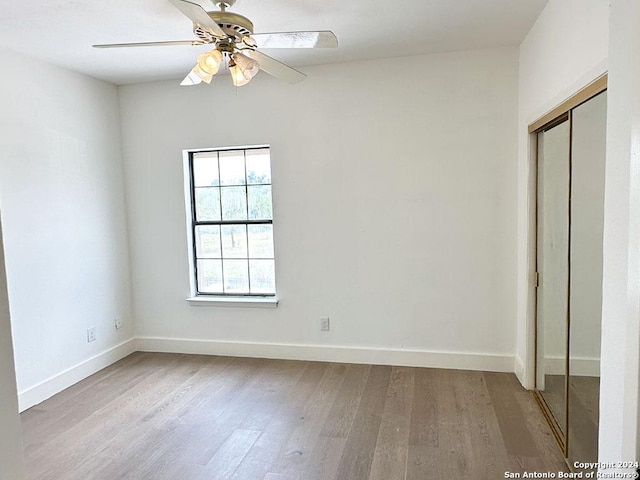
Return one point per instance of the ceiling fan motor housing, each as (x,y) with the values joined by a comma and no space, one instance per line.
(234,25)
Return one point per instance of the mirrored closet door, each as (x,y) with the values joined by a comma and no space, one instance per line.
(570,206)
(553,271)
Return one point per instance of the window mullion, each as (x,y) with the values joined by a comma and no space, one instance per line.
(246,225)
(220,224)
(234,222)
(246,230)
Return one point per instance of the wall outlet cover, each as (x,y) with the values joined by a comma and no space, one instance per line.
(91,334)
(324,324)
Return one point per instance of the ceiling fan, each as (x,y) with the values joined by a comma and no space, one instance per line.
(235,44)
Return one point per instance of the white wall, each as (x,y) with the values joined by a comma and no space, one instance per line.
(11,464)
(62,195)
(565,50)
(619,409)
(394,205)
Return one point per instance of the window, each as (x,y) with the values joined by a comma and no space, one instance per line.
(231,224)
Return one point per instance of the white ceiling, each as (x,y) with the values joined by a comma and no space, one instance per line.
(62,31)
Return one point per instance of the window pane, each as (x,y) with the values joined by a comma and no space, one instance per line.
(260,241)
(205,169)
(259,202)
(234,203)
(236,276)
(262,276)
(207,204)
(208,241)
(210,276)
(258,166)
(234,241)
(232,168)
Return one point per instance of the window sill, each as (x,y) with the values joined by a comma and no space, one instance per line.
(251,302)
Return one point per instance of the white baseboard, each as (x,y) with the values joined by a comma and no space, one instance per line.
(580,367)
(518,369)
(324,353)
(49,387)
(585,367)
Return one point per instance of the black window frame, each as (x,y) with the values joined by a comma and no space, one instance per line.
(194,222)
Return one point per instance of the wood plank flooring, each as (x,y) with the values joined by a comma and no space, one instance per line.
(190,417)
(584,399)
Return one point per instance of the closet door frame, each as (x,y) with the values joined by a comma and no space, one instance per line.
(561,113)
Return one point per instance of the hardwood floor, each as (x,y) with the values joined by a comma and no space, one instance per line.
(584,399)
(190,417)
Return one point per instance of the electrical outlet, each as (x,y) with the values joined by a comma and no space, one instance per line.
(118,323)
(324,324)
(91,334)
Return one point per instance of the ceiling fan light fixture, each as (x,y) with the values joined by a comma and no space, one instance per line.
(242,69)
(248,65)
(208,65)
(238,77)
(203,76)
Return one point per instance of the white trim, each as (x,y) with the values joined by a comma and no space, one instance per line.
(519,370)
(585,367)
(55,384)
(329,353)
(580,366)
(253,302)
(188,217)
(323,353)
(528,359)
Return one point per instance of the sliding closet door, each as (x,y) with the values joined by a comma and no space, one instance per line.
(571,154)
(553,267)
(589,122)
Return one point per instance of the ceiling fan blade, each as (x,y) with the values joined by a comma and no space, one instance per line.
(275,68)
(198,15)
(149,44)
(322,39)
(190,79)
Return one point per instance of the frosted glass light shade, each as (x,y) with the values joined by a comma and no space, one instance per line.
(242,69)
(237,76)
(208,65)
(249,66)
